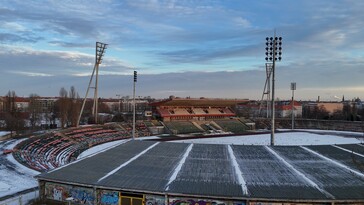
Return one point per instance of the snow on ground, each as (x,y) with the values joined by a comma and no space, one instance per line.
(288,138)
(14,177)
(3,133)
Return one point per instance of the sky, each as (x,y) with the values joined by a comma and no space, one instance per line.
(185,48)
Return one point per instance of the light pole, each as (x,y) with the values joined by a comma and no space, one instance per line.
(119,96)
(135,80)
(293,88)
(273,53)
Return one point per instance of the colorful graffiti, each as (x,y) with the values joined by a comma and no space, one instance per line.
(82,195)
(60,192)
(108,197)
(154,200)
(56,191)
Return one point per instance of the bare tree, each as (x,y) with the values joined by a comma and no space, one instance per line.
(74,106)
(34,109)
(12,117)
(63,105)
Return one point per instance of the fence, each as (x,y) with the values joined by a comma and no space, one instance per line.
(20,198)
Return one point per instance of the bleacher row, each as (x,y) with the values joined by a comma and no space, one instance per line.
(235,126)
(195,111)
(51,150)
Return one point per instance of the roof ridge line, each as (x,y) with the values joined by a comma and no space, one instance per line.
(179,167)
(304,177)
(334,162)
(127,162)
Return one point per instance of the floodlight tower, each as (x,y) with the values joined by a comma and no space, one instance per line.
(100,51)
(135,80)
(266,91)
(273,53)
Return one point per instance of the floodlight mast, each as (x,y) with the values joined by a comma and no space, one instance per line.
(293,88)
(100,50)
(273,53)
(134,104)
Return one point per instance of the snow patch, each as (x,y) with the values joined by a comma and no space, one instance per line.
(238,172)
(287,138)
(179,167)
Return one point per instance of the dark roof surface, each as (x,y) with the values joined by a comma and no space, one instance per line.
(199,102)
(279,172)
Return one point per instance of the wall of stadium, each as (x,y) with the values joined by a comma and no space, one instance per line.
(54,193)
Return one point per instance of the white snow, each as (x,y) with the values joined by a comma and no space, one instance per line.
(15,181)
(287,138)
(179,167)
(238,171)
(127,162)
(3,133)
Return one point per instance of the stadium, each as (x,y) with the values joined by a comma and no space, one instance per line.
(158,170)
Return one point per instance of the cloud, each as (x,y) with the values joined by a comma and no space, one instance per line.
(27,61)
(30,74)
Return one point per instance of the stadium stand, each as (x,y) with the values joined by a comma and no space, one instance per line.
(182,127)
(232,125)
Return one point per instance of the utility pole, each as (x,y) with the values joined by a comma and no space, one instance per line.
(100,50)
(293,88)
(119,96)
(134,107)
(273,53)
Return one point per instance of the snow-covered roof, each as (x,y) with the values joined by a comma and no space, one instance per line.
(325,172)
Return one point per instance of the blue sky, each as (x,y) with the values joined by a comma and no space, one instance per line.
(184,48)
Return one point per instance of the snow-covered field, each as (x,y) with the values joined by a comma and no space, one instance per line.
(15,177)
(288,138)
(3,133)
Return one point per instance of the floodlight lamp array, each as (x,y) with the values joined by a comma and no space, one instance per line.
(273,49)
(100,51)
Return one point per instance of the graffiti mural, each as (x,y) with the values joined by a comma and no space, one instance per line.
(154,200)
(56,192)
(60,192)
(82,195)
(108,197)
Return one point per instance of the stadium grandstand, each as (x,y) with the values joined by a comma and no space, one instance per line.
(158,173)
(177,109)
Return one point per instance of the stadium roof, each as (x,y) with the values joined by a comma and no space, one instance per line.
(203,102)
(321,172)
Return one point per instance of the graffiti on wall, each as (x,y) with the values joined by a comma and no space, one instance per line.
(82,195)
(189,201)
(60,192)
(108,197)
(154,200)
(56,192)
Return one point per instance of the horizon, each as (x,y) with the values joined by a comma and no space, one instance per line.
(212,49)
